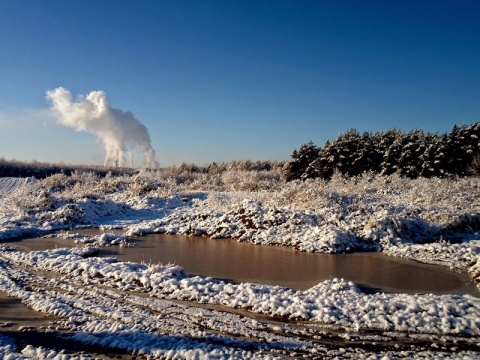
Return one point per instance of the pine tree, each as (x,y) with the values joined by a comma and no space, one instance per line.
(301,160)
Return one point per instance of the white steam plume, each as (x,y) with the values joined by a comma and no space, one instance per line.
(115,128)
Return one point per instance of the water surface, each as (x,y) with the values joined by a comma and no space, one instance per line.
(244,262)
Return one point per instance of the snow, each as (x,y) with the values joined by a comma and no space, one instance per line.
(9,185)
(161,311)
(105,239)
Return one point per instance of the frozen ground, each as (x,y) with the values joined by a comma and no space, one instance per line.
(159,311)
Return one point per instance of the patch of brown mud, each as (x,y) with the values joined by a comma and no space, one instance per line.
(16,316)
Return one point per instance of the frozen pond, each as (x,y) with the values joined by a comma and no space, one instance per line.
(242,262)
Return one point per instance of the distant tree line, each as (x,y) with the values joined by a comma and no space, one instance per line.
(41,170)
(411,154)
(235,165)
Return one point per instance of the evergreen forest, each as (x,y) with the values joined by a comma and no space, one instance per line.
(411,154)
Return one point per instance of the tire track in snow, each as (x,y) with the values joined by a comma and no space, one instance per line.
(94,312)
(98,315)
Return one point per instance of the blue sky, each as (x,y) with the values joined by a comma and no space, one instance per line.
(223,80)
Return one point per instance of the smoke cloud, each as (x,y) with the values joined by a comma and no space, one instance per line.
(115,128)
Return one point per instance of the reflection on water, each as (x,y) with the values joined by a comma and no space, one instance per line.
(242,262)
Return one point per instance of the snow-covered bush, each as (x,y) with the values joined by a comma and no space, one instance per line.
(367,212)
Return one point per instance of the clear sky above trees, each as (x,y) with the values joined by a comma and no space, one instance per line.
(222,80)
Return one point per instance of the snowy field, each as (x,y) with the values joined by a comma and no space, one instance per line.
(159,311)
(9,185)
